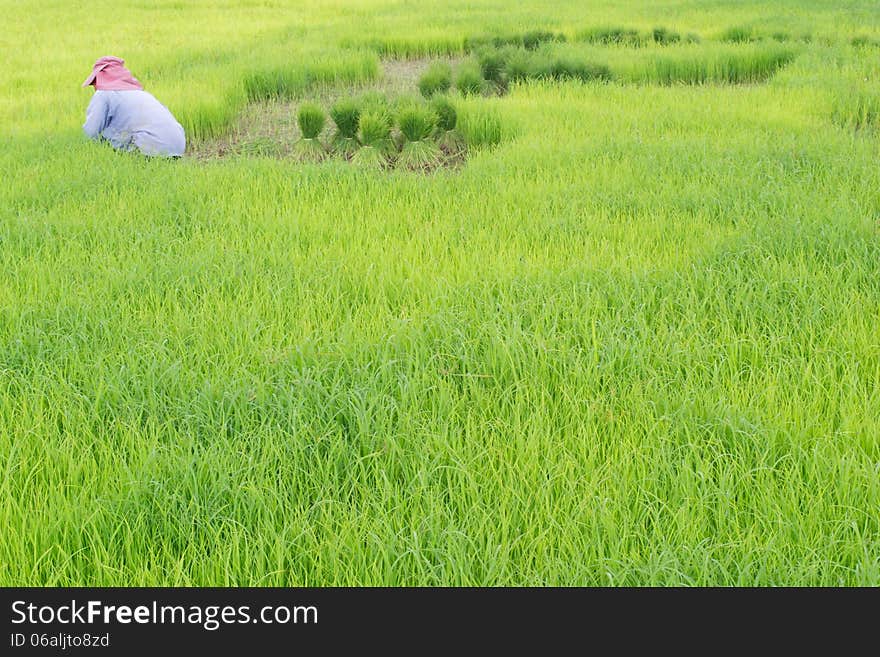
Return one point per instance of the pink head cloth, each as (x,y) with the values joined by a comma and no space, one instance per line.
(109,74)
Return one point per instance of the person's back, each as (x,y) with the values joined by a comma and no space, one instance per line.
(127,116)
(134,119)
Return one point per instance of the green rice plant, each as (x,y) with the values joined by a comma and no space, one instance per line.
(406,48)
(864,41)
(857,109)
(617,36)
(374,135)
(374,100)
(567,67)
(345,113)
(436,79)
(417,124)
(449,139)
(311,120)
(738,34)
(781,37)
(469,80)
(532,39)
(288,81)
(726,65)
(447,117)
(664,36)
(481,126)
(492,62)
(692,37)
(519,66)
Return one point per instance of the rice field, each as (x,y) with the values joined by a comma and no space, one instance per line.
(633,340)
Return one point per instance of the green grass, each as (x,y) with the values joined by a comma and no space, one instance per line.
(437,79)
(632,341)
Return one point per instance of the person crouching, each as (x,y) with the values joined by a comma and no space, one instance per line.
(128,117)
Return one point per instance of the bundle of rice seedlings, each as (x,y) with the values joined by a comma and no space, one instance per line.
(345,113)
(311,121)
(469,80)
(449,139)
(374,135)
(437,79)
(664,37)
(417,123)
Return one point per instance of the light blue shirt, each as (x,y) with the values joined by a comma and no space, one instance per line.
(134,120)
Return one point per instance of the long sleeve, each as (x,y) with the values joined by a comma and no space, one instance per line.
(96,116)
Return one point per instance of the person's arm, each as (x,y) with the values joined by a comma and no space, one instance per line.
(96,116)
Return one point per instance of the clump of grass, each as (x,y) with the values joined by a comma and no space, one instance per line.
(730,65)
(492,62)
(781,37)
(864,41)
(469,80)
(481,126)
(534,38)
(346,115)
(417,122)
(664,36)
(436,79)
(607,36)
(449,139)
(738,34)
(519,66)
(530,40)
(692,37)
(857,109)
(567,68)
(374,135)
(311,120)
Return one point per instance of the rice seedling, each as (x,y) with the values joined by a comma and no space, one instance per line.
(345,113)
(311,120)
(733,67)
(493,61)
(436,79)
(739,34)
(469,80)
(664,36)
(374,101)
(417,124)
(532,39)
(561,67)
(519,66)
(617,36)
(374,135)
(449,139)
(857,109)
(864,41)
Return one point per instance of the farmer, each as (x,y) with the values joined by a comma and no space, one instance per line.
(127,116)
